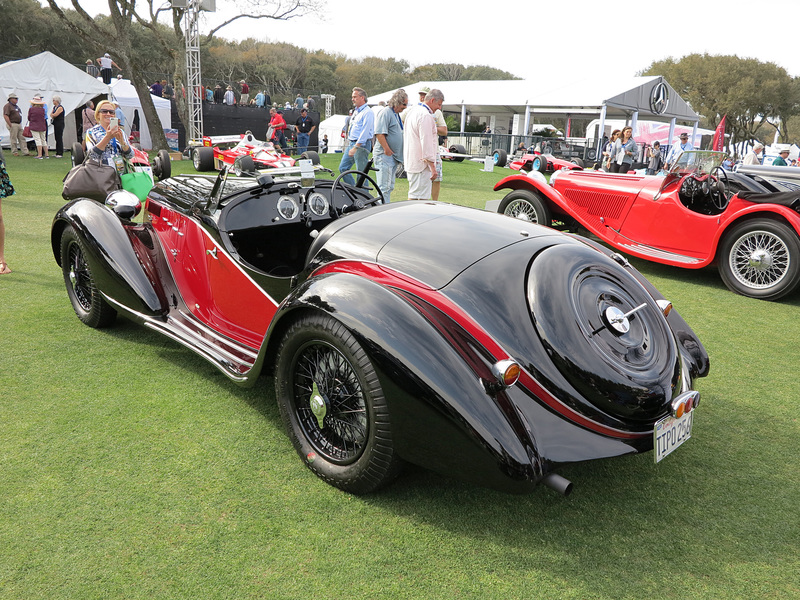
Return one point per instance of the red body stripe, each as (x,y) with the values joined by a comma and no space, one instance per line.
(396,279)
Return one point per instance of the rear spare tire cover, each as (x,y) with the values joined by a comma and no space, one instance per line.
(574,291)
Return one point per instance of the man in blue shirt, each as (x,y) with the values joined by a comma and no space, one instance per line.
(359,137)
(677,149)
(389,149)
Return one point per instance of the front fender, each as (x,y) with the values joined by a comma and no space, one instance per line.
(108,249)
(443,417)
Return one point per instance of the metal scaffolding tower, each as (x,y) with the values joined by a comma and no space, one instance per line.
(329,98)
(193,82)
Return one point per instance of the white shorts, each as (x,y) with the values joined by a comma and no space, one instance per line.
(419,185)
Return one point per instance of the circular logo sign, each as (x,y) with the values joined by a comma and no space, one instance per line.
(659,98)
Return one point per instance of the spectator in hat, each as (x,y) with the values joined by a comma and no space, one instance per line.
(682,145)
(244,99)
(106,63)
(781,160)
(230,97)
(12,115)
(751,158)
(37,117)
(91,69)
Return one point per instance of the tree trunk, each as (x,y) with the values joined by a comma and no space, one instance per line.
(149,110)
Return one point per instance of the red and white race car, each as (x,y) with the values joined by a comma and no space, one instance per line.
(544,163)
(244,152)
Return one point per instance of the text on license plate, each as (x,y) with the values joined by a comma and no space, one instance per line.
(671,432)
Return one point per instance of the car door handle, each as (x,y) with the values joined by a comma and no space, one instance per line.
(212,253)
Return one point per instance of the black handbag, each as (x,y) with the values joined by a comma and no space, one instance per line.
(91,179)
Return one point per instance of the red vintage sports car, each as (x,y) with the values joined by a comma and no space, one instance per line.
(696,215)
(243,152)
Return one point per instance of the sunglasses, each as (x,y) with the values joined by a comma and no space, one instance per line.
(108,112)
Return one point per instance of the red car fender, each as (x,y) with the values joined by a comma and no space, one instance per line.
(743,210)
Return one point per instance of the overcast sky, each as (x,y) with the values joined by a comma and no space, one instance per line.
(531,39)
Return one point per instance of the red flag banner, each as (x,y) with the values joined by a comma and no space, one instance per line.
(719,136)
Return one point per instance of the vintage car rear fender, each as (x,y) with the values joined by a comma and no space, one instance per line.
(442,414)
(109,252)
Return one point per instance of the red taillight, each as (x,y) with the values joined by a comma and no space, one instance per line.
(684,404)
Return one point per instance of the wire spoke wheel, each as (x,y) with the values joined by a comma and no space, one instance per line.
(333,407)
(760,259)
(330,403)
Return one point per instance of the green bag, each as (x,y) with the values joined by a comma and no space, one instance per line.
(139,183)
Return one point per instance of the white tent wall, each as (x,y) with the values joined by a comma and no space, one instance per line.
(48,75)
(122,91)
(333,127)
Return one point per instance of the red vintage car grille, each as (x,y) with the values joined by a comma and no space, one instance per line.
(598,204)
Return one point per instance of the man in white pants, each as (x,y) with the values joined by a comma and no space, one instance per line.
(421,145)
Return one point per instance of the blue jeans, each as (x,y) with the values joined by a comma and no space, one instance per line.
(386,175)
(302,142)
(359,159)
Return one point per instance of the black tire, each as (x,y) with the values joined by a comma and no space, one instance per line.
(458,149)
(243,165)
(500,157)
(539,163)
(203,158)
(312,156)
(86,299)
(577,161)
(333,407)
(526,205)
(591,154)
(163,165)
(760,259)
(78,154)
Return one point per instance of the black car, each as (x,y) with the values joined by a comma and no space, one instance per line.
(472,344)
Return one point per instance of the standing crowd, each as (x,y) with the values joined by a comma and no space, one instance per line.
(399,135)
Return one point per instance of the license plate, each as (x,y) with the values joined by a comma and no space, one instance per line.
(671,432)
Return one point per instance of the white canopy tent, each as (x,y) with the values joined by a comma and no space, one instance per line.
(520,106)
(333,126)
(123,92)
(48,75)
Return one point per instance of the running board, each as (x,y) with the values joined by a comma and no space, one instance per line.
(232,358)
(657,254)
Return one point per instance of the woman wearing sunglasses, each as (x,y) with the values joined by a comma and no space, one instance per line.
(106,141)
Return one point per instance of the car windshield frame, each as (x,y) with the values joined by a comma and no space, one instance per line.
(694,162)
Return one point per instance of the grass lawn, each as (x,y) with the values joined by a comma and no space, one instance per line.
(133,469)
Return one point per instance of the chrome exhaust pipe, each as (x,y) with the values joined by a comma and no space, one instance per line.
(558,483)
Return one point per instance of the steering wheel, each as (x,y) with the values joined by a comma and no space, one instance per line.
(719,193)
(357,203)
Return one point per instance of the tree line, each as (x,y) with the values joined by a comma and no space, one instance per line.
(758,98)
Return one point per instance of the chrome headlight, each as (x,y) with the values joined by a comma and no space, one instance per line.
(125,204)
(554,176)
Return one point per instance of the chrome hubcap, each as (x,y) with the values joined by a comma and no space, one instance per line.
(759,259)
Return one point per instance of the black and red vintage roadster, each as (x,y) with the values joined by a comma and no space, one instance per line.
(475,345)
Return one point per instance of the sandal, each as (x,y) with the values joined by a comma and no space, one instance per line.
(4,270)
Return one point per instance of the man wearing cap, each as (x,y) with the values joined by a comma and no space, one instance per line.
(359,136)
(305,127)
(781,160)
(751,158)
(12,114)
(678,148)
(106,63)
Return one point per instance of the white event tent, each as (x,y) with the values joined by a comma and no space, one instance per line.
(48,75)
(123,92)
